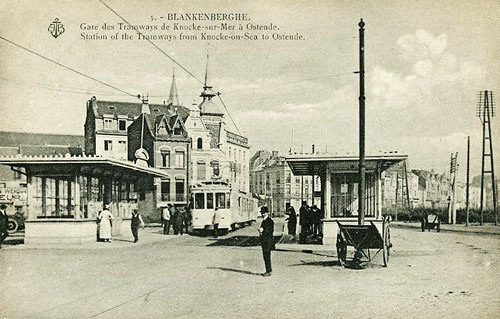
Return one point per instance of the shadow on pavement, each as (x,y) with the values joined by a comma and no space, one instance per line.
(246,272)
(240,241)
(326,263)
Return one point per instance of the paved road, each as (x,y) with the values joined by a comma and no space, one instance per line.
(430,275)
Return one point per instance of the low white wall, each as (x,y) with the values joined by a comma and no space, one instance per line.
(59,231)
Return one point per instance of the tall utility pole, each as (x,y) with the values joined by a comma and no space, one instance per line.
(467,186)
(397,191)
(361,187)
(485,111)
(452,211)
(312,201)
(408,205)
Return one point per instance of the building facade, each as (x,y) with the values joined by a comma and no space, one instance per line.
(276,187)
(216,153)
(164,140)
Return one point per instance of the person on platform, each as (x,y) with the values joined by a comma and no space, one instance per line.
(303,222)
(181,218)
(165,217)
(135,223)
(292,220)
(216,221)
(105,224)
(188,216)
(266,231)
(174,215)
(4,223)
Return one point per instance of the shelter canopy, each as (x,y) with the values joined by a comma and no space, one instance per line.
(316,164)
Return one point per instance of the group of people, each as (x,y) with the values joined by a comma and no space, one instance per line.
(310,220)
(178,218)
(105,222)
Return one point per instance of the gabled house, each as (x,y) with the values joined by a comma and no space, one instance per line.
(164,141)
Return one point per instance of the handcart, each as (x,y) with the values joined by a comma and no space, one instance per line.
(363,238)
(431,221)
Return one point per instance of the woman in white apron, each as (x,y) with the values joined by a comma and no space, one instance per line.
(105,223)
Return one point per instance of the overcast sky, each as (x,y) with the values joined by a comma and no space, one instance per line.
(425,63)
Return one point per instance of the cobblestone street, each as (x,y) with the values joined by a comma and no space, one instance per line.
(446,275)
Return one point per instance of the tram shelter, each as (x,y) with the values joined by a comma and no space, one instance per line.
(66,193)
(339,179)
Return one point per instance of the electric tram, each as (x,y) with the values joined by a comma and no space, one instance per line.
(237,208)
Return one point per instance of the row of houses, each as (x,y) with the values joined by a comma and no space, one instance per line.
(189,145)
(272,181)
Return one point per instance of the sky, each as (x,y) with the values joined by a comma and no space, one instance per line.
(425,62)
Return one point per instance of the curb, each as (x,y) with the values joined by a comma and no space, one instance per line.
(448,230)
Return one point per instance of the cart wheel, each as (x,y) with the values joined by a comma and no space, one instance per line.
(438,227)
(341,250)
(386,246)
(12,226)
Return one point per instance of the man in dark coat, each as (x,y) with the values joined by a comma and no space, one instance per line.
(266,238)
(4,223)
(303,222)
(292,220)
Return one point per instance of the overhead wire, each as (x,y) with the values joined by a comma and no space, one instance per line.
(66,67)
(152,43)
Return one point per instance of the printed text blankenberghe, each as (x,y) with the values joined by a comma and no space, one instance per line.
(195,16)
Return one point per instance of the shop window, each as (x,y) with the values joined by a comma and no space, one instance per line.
(179,190)
(165,190)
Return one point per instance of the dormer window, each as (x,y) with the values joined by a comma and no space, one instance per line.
(111,107)
(122,125)
(177,130)
(108,124)
(156,110)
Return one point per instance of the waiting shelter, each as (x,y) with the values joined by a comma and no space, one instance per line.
(339,179)
(66,193)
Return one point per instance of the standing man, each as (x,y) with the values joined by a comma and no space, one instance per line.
(216,221)
(303,222)
(135,223)
(173,218)
(4,223)
(181,217)
(165,216)
(266,239)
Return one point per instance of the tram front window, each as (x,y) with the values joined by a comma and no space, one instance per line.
(199,201)
(221,200)
(210,200)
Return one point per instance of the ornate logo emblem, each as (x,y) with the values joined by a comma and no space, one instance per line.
(56,28)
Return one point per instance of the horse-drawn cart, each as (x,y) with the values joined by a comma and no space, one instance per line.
(363,238)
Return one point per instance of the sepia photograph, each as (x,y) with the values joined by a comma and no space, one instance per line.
(249,159)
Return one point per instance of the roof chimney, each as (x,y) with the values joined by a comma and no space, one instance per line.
(274,154)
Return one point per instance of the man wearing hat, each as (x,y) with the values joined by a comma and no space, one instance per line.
(4,222)
(266,238)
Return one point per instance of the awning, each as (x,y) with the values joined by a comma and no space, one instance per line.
(80,165)
(316,164)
